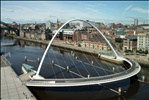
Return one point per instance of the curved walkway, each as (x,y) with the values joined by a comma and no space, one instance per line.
(86,81)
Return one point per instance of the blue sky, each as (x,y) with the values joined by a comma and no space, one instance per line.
(100,11)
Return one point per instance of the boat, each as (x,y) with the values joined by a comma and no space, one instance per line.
(27,68)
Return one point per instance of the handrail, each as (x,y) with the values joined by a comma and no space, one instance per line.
(91,78)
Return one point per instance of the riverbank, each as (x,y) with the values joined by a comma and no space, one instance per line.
(142,60)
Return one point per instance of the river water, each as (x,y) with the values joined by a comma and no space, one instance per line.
(132,89)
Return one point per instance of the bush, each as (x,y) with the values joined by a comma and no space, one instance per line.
(119,40)
(128,51)
(142,52)
(146,51)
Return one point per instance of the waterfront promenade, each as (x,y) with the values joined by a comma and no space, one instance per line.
(11,86)
(142,60)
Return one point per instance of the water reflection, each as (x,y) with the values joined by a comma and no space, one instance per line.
(22,43)
(144,72)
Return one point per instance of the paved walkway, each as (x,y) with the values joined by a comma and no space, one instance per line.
(140,59)
(11,86)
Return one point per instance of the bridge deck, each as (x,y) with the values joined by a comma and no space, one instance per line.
(87,81)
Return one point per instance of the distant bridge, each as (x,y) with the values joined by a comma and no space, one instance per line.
(6,26)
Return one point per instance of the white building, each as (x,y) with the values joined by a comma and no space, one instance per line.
(145,27)
(65,31)
(143,41)
(48,24)
(82,24)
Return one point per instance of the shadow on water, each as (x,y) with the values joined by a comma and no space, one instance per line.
(94,92)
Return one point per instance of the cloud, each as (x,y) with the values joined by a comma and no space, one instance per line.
(92,5)
(19,8)
(89,5)
(92,10)
(140,10)
(126,9)
(101,4)
(26,14)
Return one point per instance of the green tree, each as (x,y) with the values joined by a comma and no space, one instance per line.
(140,50)
(119,40)
(48,30)
(67,26)
(146,51)
(48,34)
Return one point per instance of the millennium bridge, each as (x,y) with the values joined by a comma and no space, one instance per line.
(75,70)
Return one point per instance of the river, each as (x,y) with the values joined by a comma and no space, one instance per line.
(132,88)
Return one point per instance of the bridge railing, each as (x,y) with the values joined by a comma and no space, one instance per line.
(91,78)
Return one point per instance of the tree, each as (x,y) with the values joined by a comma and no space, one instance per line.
(119,40)
(146,51)
(140,50)
(37,27)
(48,34)
(48,30)
(67,26)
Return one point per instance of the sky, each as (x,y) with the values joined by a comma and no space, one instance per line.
(100,11)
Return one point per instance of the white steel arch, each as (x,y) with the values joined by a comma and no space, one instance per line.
(42,59)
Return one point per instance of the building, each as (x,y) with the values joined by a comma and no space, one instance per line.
(65,34)
(136,22)
(101,46)
(120,33)
(143,41)
(48,24)
(130,32)
(130,43)
(81,36)
(83,25)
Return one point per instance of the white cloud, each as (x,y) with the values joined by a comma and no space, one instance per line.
(89,5)
(39,14)
(17,8)
(93,5)
(100,4)
(92,10)
(126,9)
(140,10)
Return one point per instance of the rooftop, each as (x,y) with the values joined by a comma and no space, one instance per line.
(145,34)
(131,37)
